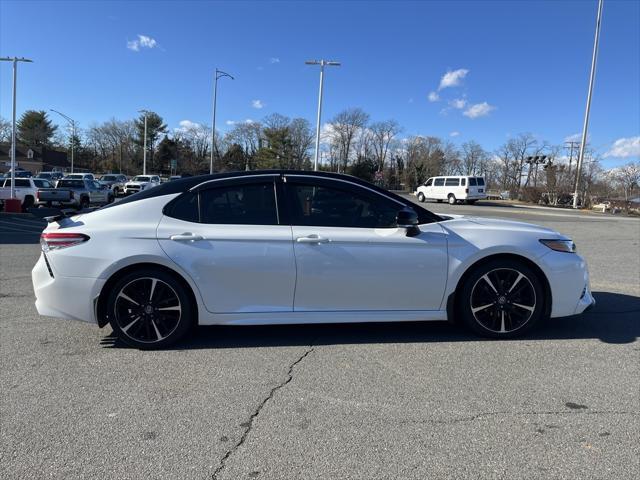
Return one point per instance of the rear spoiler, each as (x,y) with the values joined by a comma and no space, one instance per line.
(56,214)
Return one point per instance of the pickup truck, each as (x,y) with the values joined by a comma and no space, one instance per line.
(140,183)
(74,193)
(26,190)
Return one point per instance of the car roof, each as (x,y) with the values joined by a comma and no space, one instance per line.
(187,183)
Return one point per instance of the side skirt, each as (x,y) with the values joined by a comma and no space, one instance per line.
(290,318)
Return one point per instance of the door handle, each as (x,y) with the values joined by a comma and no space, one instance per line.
(315,239)
(186,237)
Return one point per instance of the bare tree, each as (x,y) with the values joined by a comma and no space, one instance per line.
(5,130)
(345,127)
(627,178)
(474,158)
(382,133)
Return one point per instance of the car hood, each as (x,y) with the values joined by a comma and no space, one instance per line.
(460,223)
(138,183)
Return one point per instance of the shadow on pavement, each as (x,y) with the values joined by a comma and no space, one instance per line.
(615,320)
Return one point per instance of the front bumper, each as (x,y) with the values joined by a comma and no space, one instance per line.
(71,298)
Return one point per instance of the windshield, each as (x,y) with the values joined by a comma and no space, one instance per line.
(140,179)
(108,178)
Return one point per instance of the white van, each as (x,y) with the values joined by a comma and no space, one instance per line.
(453,189)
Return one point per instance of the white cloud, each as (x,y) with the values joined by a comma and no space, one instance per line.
(143,41)
(478,110)
(257,104)
(576,137)
(274,60)
(453,78)
(433,97)
(186,125)
(624,148)
(235,122)
(454,134)
(458,103)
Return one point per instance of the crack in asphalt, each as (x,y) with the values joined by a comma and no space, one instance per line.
(254,415)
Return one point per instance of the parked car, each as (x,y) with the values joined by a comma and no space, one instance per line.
(71,192)
(80,176)
(115,181)
(51,176)
(20,173)
(286,247)
(26,190)
(453,189)
(140,183)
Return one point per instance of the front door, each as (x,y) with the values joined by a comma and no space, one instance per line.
(228,238)
(351,256)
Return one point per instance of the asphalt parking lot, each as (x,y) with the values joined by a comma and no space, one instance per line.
(368,401)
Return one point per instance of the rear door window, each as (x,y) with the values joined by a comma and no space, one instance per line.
(248,204)
(480,181)
(472,181)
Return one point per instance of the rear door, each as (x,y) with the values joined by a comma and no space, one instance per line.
(227,235)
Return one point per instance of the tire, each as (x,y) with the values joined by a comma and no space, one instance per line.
(452,199)
(28,203)
(150,309)
(502,299)
(421,197)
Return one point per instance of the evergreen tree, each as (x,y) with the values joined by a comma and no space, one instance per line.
(34,128)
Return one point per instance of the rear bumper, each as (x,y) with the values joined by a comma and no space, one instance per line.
(71,298)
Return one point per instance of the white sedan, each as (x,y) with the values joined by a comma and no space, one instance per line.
(287,247)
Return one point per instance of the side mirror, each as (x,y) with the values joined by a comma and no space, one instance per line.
(408,219)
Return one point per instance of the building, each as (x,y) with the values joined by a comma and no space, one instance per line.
(34,159)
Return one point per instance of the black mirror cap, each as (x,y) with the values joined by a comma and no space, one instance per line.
(408,219)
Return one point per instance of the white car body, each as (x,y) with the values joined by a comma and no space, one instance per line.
(140,183)
(285,274)
(453,188)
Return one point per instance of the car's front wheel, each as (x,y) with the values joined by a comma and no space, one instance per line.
(421,197)
(150,309)
(502,299)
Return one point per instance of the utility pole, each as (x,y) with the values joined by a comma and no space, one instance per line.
(219,74)
(571,146)
(585,126)
(15,61)
(144,148)
(322,64)
(72,122)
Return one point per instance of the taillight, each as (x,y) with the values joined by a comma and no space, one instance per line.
(56,241)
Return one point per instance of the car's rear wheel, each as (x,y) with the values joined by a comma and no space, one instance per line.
(451,199)
(502,299)
(150,309)
(421,197)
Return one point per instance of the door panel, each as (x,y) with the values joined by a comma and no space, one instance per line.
(370,269)
(238,268)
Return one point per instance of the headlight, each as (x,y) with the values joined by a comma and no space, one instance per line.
(566,246)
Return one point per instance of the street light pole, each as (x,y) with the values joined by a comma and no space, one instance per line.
(322,64)
(144,148)
(15,61)
(219,74)
(73,132)
(585,126)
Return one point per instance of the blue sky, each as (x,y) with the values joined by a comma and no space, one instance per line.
(519,66)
